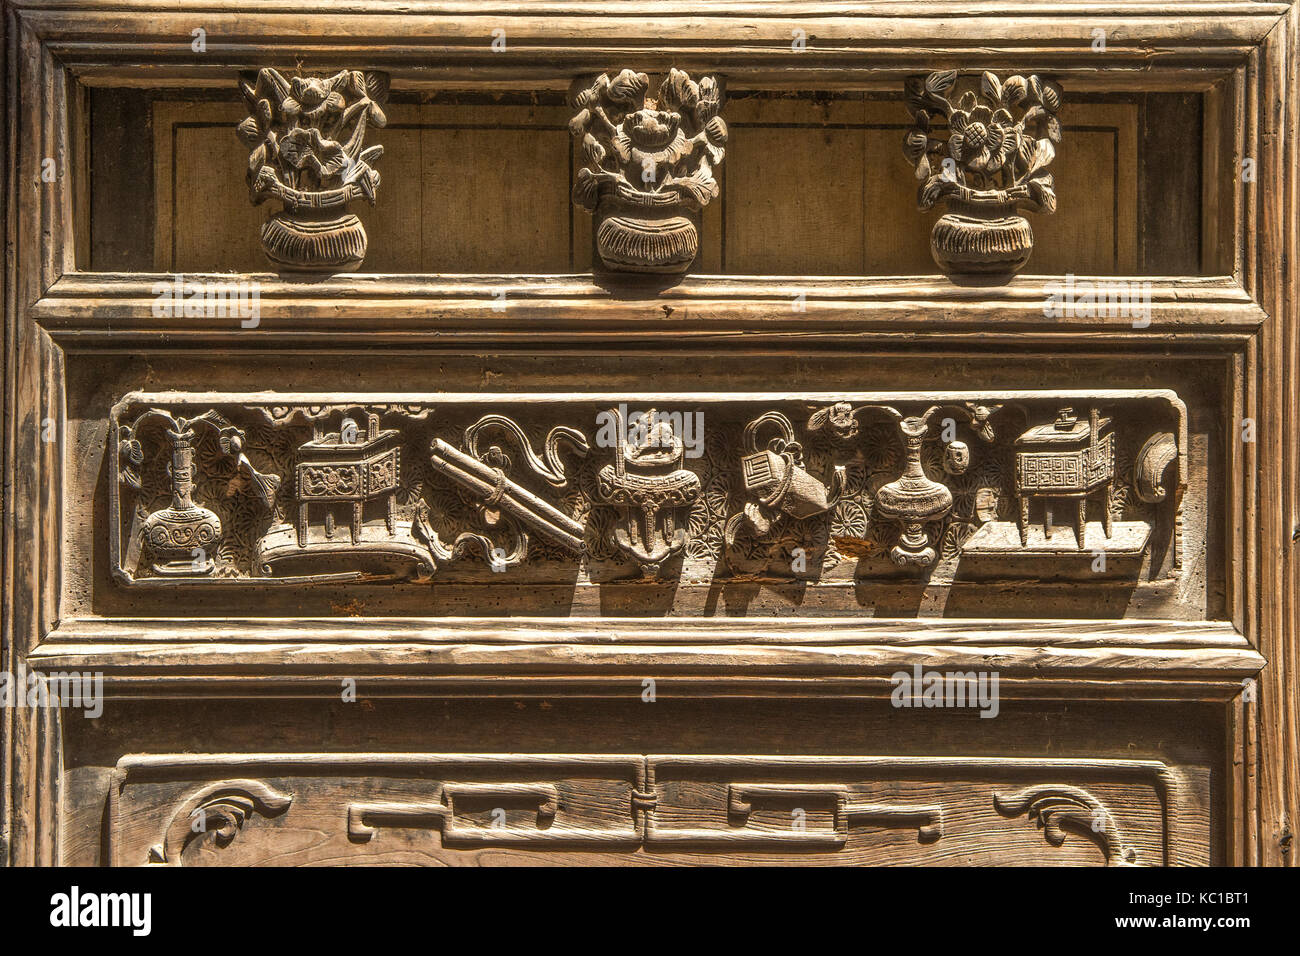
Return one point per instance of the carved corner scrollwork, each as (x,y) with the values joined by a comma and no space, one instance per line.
(306,136)
(1001,137)
(1059,807)
(220,810)
(650,161)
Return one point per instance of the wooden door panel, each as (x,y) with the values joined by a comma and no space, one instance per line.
(510,547)
(775,782)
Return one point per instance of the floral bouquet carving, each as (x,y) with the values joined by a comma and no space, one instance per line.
(990,166)
(650,165)
(306,137)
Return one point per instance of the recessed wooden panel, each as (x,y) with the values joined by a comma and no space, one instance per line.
(300,809)
(463,189)
(822,188)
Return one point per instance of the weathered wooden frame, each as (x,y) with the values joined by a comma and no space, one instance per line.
(1242,55)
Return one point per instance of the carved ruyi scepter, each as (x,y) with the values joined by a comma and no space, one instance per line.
(183,537)
(650,162)
(914,500)
(502,501)
(306,137)
(990,166)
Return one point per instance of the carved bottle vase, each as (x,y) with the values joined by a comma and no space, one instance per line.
(914,501)
(314,240)
(644,232)
(182,537)
(981,238)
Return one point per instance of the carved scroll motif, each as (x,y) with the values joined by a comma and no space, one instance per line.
(1057,808)
(1000,140)
(220,811)
(650,161)
(306,137)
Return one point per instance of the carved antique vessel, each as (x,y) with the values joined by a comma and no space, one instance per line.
(1070,459)
(649,485)
(650,162)
(306,135)
(183,537)
(989,168)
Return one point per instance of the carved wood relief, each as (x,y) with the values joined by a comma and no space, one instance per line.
(488,808)
(1000,139)
(812,487)
(650,160)
(306,136)
(757,496)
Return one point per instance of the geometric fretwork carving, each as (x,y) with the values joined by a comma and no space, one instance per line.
(448,807)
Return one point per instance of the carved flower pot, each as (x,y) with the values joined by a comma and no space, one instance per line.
(989,163)
(306,140)
(981,238)
(643,232)
(649,167)
(298,242)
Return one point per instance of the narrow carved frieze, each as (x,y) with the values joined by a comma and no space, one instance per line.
(306,137)
(985,154)
(810,487)
(650,158)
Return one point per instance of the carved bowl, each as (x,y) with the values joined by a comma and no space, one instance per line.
(981,239)
(298,243)
(644,232)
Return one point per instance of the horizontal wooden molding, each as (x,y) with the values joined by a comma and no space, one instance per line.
(1051,659)
(99,309)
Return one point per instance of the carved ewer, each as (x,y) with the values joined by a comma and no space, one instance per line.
(649,166)
(913,500)
(306,137)
(648,483)
(183,537)
(990,167)
(777,482)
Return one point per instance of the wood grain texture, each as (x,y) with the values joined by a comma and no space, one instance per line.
(1242,323)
